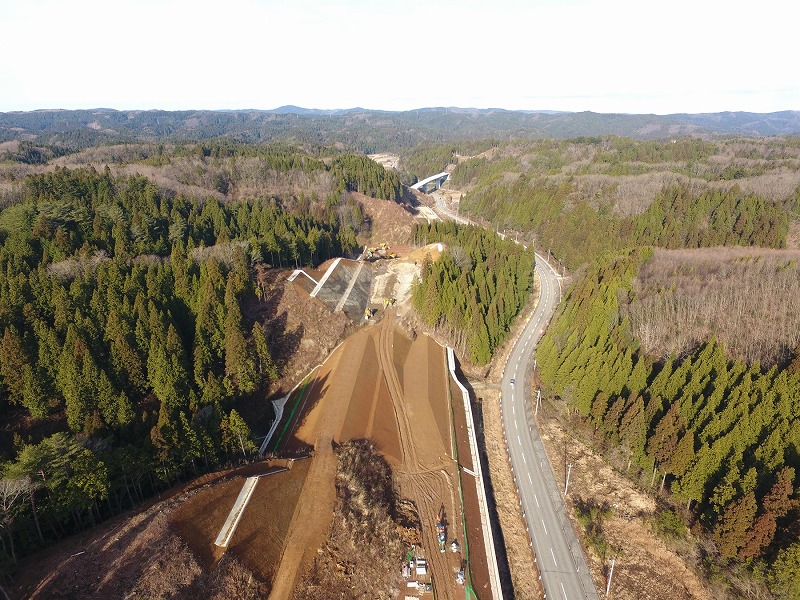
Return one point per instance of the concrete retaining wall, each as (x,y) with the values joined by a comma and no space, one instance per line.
(488,537)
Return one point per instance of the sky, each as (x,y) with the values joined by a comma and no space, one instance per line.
(618,56)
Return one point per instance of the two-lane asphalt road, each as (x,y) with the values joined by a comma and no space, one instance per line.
(559,556)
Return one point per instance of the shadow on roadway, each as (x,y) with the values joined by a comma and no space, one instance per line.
(475,404)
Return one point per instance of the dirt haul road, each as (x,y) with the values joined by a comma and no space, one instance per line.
(427,473)
(314,510)
(383,386)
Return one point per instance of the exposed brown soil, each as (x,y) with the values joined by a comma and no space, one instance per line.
(382,385)
(141,554)
(390,222)
(312,516)
(259,537)
(370,414)
(645,566)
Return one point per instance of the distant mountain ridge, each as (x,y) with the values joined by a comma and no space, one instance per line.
(373,130)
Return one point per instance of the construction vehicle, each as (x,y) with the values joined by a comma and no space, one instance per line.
(379,251)
(367,313)
(454,547)
(441,529)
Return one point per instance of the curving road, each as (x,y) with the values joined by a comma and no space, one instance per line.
(559,556)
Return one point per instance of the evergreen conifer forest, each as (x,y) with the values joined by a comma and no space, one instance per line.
(124,346)
(128,350)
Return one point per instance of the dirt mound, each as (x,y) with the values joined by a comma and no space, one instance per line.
(391,222)
(432,250)
(139,555)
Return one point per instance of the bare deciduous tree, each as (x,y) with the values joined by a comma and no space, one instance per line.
(748,298)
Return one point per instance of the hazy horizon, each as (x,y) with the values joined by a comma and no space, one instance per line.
(372,109)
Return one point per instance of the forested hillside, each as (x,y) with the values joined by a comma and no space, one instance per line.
(473,292)
(676,345)
(586,198)
(366,131)
(125,346)
(723,435)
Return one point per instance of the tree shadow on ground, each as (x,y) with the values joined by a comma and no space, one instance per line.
(491,504)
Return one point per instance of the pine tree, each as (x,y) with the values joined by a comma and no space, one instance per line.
(239,364)
(683,455)
(265,366)
(236,435)
(775,505)
(13,360)
(730,533)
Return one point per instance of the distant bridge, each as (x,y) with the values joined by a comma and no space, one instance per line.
(437,181)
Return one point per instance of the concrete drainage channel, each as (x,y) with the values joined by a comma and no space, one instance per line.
(488,538)
(226,533)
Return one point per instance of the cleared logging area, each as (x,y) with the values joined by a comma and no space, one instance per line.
(749,298)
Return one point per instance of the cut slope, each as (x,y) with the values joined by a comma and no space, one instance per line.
(141,555)
(391,222)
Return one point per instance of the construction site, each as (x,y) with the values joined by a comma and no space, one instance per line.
(380,385)
(302,521)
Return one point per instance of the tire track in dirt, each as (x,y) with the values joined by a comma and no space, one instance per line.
(396,393)
(428,488)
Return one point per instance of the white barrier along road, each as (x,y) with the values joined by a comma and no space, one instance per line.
(486,526)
